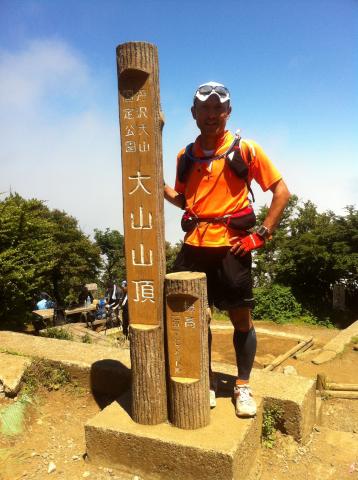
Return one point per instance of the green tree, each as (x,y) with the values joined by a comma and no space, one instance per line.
(76,258)
(40,250)
(171,252)
(310,252)
(111,244)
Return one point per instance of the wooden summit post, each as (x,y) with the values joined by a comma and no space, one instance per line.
(143,210)
(187,342)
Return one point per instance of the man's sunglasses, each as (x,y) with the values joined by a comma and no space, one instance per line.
(204,92)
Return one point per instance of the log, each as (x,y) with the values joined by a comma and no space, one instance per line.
(340,394)
(187,345)
(149,396)
(281,358)
(141,123)
(303,350)
(321,382)
(342,386)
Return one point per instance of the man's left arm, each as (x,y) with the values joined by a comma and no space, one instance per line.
(280,198)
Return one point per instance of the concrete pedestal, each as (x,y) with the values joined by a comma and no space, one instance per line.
(225,449)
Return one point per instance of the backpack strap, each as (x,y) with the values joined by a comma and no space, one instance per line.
(184,163)
(239,166)
(233,157)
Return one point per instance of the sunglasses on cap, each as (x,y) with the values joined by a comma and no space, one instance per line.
(204,92)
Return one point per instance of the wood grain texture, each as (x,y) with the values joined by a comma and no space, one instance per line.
(141,124)
(188,397)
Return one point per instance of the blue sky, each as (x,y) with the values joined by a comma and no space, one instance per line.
(291,68)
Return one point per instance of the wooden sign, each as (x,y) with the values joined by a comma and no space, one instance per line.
(143,213)
(183,333)
(187,345)
(142,181)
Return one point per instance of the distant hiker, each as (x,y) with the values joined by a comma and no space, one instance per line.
(45,302)
(124,306)
(212,186)
(114,294)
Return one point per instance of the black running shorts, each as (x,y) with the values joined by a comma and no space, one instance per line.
(229,278)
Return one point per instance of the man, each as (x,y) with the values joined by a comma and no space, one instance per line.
(124,305)
(114,296)
(212,185)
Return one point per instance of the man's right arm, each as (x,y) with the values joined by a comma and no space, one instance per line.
(175,198)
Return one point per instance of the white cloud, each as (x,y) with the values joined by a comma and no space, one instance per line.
(42,68)
(56,144)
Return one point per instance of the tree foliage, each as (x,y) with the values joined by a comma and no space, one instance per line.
(171,252)
(40,250)
(310,252)
(111,244)
(277,303)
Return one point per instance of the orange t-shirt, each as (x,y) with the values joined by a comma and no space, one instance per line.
(212,189)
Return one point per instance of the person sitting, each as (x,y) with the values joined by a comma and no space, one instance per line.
(101,309)
(45,302)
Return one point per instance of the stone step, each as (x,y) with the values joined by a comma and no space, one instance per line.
(12,369)
(105,370)
(337,344)
(293,394)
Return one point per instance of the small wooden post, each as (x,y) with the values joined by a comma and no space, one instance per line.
(187,342)
(141,123)
(321,382)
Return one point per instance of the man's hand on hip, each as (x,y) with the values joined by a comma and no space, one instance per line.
(244,245)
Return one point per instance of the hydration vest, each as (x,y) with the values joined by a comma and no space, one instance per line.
(232,156)
(242,220)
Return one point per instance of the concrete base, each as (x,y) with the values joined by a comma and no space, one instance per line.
(225,449)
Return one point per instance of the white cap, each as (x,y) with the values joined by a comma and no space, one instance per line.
(205,90)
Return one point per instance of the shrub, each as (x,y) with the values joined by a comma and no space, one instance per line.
(45,373)
(86,338)
(59,333)
(272,417)
(276,302)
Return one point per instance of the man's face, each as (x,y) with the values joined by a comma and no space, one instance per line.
(211,116)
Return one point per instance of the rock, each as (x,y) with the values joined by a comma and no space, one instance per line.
(76,457)
(86,474)
(289,370)
(51,467)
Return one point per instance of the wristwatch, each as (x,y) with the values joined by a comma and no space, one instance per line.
(263,232)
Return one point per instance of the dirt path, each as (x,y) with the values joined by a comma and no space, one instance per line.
(54,432)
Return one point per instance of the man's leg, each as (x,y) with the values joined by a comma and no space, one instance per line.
(244,340)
